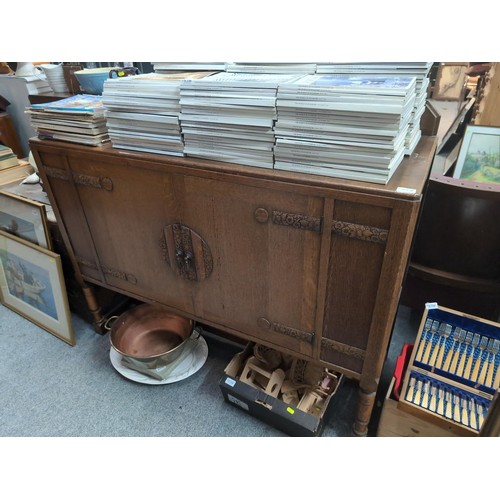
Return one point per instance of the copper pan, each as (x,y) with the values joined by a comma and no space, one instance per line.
(150,334)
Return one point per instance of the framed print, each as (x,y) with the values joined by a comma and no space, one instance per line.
(24,218)
(32,284)
(479,156)
(450,82)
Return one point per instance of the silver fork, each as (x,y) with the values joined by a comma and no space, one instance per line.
(475,343)
(449,355)
(424,339)
(456,355)
(496,383)
(493,347)
(430,342)
(446,334)
(461,365)
(477,365)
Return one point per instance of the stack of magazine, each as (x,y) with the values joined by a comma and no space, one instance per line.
(263,67)
(230,117)
(79,119)
(420,70)
(176,67)
(349,127)
(142,112)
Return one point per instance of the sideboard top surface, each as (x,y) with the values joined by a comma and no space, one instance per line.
(407,183)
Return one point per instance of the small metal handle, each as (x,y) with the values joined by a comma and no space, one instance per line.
(188,258)
(179,257)
(106,323)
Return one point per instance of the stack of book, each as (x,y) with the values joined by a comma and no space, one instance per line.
(12,169)
(7,157)
(142,111)
(79,119)
(346,127)
(230,117)
(36,84)
(419,70)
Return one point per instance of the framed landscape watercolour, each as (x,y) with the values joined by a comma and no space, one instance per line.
(450,82)
(32,284)
(26,219)
(479,157)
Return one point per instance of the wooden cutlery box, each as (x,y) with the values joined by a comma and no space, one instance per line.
(453,371)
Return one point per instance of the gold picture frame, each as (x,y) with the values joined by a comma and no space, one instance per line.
(451,82)
(32,284)
(479,157)
(24,218)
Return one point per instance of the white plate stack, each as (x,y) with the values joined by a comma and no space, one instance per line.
(55,77)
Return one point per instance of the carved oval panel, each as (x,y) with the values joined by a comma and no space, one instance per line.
(187,252)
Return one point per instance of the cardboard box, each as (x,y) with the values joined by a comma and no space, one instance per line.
(454,370)
(268,404)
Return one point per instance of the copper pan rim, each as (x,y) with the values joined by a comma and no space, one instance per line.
(150,333)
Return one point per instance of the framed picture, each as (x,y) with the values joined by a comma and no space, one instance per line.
(26,219)
(32,284)
(450,82)
(479,156)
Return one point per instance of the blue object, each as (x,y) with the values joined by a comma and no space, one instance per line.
(92,80)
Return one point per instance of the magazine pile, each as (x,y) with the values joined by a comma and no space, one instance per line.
(420,70)
(79,119)
(230,117)
(350,127)
(142,111)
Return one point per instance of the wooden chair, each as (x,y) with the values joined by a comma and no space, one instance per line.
(455,259)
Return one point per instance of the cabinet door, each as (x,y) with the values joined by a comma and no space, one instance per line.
(265,245)
(60,183)
(126,215)
(357,251)
(237,256)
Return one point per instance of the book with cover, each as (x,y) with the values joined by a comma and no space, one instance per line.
(353,84)
(8,161)
(5,150)
(7,157)
(264,67)
(80,103)
(17,173)
(89,140)
(259,81)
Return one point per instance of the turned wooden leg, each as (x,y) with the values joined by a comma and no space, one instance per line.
(93,306)
(363,412)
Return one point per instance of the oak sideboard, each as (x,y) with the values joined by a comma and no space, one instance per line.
(307,264)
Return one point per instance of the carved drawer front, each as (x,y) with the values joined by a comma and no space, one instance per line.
(275,327)
(187,252)
(297,221)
